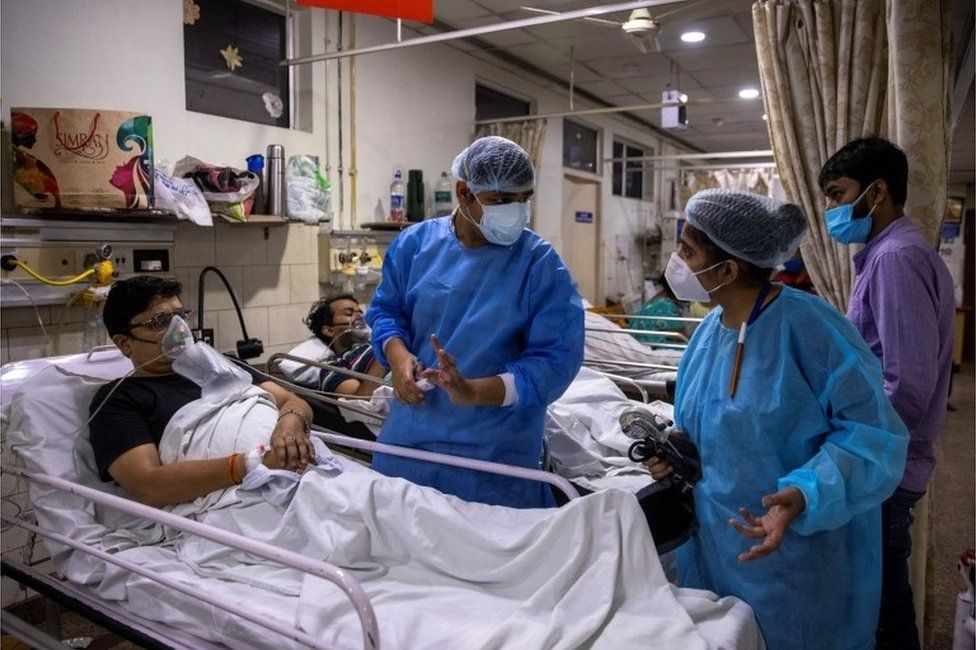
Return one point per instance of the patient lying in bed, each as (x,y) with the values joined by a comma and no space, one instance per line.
(128,416)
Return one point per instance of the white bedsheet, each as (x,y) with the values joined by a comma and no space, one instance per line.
(586,442)
(439,571)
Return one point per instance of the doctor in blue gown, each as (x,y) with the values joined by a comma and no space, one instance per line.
(797,459)
(488,313)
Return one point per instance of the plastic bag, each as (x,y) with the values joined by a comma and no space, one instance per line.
(307,190)
(227,190)
(183,197)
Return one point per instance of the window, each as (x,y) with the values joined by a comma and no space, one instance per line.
(579,147)
(630,179)
(231,54)
(490,104)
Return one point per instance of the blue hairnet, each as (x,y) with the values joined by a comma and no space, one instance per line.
(751,227)
(494,164)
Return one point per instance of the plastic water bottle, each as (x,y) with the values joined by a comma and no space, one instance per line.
(443,202)
(398,199)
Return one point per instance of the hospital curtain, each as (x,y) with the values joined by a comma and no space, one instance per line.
(828,77)
(823,71)
(758,180)
(918,104)
(528,135)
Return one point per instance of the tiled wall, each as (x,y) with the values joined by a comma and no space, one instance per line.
(274,273)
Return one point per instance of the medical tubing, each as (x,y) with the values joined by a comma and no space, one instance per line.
(333,574)
(54,283)
(230,290)
(111,392)
(327,366)
(298,389)
(454,461)
(619,330)
(627,380)
(37,313)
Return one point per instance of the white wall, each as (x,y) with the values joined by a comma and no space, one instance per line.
(415,109)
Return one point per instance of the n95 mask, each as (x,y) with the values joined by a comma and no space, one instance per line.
(216,375)
(684,282)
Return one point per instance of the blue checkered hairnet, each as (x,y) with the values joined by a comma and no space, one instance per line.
(494,164)
(751,227)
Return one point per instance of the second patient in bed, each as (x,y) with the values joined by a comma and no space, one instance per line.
(131,414)
(338,321)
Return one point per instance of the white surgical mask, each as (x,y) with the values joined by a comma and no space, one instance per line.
(215,374)
(684,282)
(501,224)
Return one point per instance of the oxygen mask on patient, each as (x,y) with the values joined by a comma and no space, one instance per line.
(355,333)
(217,376)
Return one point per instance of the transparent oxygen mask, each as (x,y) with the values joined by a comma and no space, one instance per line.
(216,375)
(355,333)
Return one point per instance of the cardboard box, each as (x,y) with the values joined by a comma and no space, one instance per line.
(77,158)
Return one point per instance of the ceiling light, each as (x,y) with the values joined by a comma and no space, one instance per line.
(693,37)
(748,93)
(765,117)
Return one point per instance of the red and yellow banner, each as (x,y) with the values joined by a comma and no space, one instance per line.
(419,10)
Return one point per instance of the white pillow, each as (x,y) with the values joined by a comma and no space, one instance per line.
(47,430)
(312,349)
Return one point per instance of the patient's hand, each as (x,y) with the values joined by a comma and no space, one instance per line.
(291,446)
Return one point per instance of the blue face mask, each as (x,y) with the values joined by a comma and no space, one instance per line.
(844,227)
(502,224)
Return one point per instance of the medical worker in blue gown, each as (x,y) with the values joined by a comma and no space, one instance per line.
(798,456)
(488,313)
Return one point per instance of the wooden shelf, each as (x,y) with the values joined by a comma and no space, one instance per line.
(263,220)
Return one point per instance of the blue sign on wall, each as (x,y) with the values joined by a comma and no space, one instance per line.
(584,217)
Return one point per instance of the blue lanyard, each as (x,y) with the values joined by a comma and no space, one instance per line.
(758,307)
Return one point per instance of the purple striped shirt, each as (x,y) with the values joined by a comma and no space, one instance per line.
(904,307)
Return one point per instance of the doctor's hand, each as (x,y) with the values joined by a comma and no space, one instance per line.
(783,507)
(449,378)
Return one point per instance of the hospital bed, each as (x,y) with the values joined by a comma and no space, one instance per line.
(73,512)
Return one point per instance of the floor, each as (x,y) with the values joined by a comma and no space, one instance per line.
(954,490)
(954,487)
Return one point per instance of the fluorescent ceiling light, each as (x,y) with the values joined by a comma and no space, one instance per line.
(748,93)
(693,37)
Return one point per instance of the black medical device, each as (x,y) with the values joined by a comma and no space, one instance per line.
(653,438)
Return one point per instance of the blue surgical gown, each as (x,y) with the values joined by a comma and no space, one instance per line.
(809,411)
(497,309)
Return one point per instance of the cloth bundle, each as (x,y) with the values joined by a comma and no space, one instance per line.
(228,191)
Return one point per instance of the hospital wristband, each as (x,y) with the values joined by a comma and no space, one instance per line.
(305,423)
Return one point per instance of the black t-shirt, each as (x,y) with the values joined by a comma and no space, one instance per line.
(135,414)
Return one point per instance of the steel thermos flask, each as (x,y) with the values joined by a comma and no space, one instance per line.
(275,190)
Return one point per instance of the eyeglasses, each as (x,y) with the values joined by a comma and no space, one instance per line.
(160,322)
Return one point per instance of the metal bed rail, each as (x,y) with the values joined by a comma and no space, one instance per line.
(539,475)
(340,577)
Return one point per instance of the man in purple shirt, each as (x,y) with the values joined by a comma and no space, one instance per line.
(903,305)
